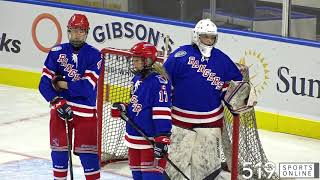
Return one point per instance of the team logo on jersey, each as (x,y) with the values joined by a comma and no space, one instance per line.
(57,48)
(180,54)
(162,80)
(206,73)
(136,86)
(55,142)
(136,107)
(75,59)
(73,73)
(204,59)
(99,64)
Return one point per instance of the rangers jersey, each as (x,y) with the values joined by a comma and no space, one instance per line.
(81,71)
(198,85)
(149,109)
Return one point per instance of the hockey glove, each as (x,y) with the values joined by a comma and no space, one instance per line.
(161,144)
(117,108)
(64,110)
(240,97)
(54,82)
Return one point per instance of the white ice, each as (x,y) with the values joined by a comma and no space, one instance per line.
(25,153)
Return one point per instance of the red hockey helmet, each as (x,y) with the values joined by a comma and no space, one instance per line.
(78,21)
(145,50)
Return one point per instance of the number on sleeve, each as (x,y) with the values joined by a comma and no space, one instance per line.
(163,94)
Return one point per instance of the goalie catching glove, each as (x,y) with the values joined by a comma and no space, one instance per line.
(161,144)
(240,97)
(64,110)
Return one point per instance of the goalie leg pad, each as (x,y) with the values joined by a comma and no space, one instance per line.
(180,152)
(206,152)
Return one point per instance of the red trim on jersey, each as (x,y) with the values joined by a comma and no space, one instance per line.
(47,71)
(218,123)
(197,116)
(161,112)
(91,76)
(83,110)
(135,141)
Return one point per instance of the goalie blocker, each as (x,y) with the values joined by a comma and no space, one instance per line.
(240,97)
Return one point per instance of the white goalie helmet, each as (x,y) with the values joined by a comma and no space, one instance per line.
(204,26)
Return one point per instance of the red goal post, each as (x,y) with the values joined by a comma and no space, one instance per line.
(240,137)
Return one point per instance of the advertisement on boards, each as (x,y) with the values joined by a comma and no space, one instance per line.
(38,30)
(285,75)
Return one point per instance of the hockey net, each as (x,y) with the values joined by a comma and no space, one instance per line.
(114,86)
(246,151)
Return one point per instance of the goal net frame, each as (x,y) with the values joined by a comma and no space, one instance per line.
(240,138)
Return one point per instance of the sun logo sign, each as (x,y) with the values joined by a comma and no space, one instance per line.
(258,68)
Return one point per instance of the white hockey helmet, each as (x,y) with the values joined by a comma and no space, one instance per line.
(204,26)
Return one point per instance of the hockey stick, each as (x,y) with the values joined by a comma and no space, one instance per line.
(166,48)
(213,175)
(125,118)
(69,150)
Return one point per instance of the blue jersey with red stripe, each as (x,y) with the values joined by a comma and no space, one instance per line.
(149,109)
(198,85)
(81,70)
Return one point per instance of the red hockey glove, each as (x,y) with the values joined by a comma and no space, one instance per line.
(117,108)
(161,146)
(54,82)
(63,109)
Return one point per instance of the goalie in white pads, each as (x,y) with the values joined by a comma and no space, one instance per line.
(200,74)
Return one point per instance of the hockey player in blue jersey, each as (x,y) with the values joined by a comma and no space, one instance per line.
(200,73)
(149,109)
(69,83)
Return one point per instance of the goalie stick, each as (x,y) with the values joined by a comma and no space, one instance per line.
(213,175)
(125,118)
(69,150)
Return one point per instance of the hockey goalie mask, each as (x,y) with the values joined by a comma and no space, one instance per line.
(207,28)
(146,53)
(78,28)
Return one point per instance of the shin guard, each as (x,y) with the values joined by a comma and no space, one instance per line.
(60,164)
(91,166)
